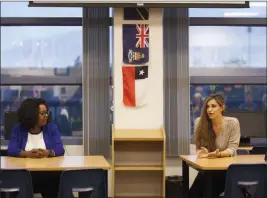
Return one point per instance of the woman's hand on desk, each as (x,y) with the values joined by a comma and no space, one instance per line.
(202,153)
(30,154)
(46,153)
(214,154)
(43,153)
(35,153)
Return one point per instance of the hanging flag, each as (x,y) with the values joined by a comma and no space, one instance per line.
(136,13)
(135,43)
(135,85)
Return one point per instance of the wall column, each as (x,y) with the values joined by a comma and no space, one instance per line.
(96,120)
(176,80)
(149,116)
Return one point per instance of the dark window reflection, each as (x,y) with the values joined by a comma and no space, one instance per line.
(65,106)
(237,98)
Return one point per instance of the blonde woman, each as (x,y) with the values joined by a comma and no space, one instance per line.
(215,136)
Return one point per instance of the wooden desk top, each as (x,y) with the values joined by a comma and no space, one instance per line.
(138,135)
(221,163)
(248,148)
(55,164)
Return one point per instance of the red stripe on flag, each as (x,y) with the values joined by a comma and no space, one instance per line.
(129,86)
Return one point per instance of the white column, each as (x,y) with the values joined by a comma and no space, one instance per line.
(150,115)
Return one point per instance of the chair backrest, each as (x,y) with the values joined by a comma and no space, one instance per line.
(246,173)
(17,178)
(242,152)
(258,150)
(11,119)
(83,178)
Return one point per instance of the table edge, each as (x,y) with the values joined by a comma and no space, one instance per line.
(106,167)
(198,167)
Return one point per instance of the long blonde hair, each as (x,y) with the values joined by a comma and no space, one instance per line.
(204,134)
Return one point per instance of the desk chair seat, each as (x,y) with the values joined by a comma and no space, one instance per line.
(83,189)
(246,180)
(16,183)
(83,192)
(9,192)
(245,187)
(89,183)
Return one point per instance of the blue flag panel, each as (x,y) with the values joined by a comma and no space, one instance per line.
(135,43)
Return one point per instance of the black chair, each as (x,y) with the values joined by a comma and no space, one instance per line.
(246,180)
(3,152)
(16,183)
(242,152)
(88,183)
(258,150)
(10,120)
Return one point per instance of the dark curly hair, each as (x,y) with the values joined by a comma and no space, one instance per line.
(29,111)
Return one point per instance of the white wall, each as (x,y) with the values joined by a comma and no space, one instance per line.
(72,150)
(151,115)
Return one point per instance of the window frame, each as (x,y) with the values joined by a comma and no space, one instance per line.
(254,80)
(214,21)
(47,80)
(77,21)
(41,21)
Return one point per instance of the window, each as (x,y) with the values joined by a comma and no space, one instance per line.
(66,108)
(63,90)
(257,10)
(40,46)
(21,9)
(233,47)
(45,62)
(237,98)
(41,54)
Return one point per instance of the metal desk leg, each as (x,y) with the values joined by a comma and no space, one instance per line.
(185,176)
(208,184)
(105,184)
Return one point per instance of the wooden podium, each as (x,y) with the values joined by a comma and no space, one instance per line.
(138,162)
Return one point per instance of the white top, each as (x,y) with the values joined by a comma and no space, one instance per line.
(229,138)
(35,141)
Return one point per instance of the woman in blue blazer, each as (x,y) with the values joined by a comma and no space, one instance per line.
(34,137)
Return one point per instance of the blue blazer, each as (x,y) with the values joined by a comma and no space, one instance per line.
(18,140)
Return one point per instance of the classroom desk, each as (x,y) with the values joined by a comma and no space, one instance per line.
(247,148)
(55,163)
(59,164)
(208,166)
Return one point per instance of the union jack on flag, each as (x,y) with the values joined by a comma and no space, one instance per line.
(142,36)
(136,43)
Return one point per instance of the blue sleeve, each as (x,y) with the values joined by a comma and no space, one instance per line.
(13,144)
(58,147)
